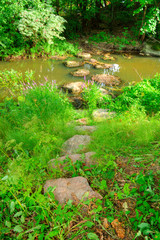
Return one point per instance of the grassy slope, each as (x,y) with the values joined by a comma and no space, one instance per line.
(32,132)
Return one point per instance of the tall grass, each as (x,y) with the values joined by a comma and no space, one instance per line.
(126,133)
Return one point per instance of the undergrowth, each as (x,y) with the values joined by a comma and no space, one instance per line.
(125,172)
(120,42)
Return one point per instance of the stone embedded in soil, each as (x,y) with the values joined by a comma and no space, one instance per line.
(80,73)
(108,80)
(75,144)
(76,101)
(85,56)
(103,66)
(75,189)
(74,87)
(82,121)
(102,114)
(59,57)
(85,128)
(73,64)
(87,158)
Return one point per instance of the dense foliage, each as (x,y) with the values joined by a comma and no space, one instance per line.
(26,26)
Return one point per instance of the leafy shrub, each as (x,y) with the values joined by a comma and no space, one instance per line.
(145,93)
(94,98)
(40,25)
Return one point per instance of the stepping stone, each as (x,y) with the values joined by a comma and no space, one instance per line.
(102,114)
(59,57)
(86,158)
(80,73)
(108,57)
(73,64)
(75,189)
(76,143)
(85,56)
(82,121)
(74,87)
(108,80)
(85,128)
(92,61)
(103,66)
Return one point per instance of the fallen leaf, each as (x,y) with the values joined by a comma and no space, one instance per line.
(118,228)
(105,223)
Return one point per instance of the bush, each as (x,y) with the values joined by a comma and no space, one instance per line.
(40,25)
(145,93)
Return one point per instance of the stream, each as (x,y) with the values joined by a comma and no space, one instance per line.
(130,71)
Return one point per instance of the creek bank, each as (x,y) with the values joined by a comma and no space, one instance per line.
(149,50)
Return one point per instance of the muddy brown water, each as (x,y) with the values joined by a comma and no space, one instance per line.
(129,70)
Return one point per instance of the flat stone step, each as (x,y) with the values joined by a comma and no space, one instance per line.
(85,128)
(102,114)
(75,144)
(87,158)
(75,189)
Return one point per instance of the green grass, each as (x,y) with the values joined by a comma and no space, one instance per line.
(32,131)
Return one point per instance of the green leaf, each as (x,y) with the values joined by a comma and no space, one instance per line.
(18,229)
(22,219)
(12,206)
(138,234)
(8,224)
(89,224)
(144,225)
(92,236)
(18,214)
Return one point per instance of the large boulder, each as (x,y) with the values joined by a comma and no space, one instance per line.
(75,189)
(85,56)
(72,64)
(149,51)
(80,73)
(108,80)
(75,144)
(62,161)
(74,87)
(102,114)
